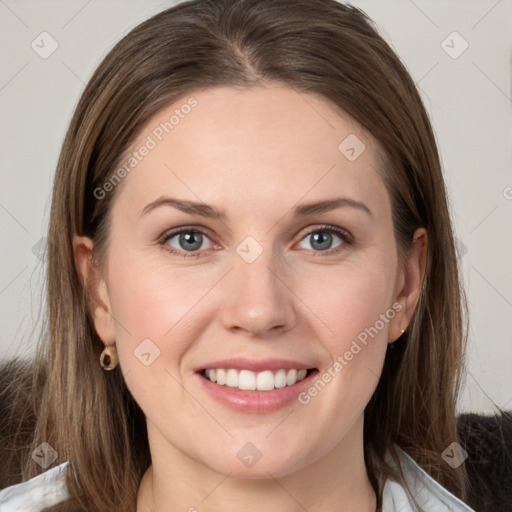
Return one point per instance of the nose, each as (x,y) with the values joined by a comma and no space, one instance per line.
(258,300)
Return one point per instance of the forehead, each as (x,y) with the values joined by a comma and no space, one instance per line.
(252,145)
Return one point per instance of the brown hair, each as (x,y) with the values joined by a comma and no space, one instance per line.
(316,46)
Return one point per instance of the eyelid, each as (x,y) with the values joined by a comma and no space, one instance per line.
(326,227)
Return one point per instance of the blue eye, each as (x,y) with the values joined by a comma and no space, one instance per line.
(322,237)
(189,241)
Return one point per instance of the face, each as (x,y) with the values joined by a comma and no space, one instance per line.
(255,283)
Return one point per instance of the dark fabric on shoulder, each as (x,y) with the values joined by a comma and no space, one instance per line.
(17,420)
(488,442)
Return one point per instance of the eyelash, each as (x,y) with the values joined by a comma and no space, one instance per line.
(345,236)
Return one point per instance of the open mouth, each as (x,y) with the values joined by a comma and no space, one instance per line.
(247,380)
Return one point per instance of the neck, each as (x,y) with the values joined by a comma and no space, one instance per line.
(337,481)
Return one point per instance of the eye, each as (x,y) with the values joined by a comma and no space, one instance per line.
(185,242)
(322,238)
(189,242)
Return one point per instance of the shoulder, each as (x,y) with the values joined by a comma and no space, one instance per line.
(47,489)
(427,492)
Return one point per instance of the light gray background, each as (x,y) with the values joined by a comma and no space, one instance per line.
(468,97)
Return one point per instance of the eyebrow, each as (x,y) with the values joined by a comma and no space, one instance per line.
(303,210)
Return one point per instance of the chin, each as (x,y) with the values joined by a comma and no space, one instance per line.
(249,467)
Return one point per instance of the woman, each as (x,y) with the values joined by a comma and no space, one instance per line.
(253,293)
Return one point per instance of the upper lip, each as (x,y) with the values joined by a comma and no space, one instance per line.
(255,365)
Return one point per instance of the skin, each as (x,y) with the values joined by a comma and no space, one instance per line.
(255,154)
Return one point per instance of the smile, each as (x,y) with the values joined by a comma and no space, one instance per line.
(266,380)
(257,392)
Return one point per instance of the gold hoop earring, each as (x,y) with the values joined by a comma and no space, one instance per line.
(108,358)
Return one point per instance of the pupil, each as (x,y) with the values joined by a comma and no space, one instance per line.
(191,239)
(323,239)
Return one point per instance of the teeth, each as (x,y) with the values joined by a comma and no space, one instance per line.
(232,378)
(280,378)
(221,376)
(248,380)
(291,377)
(264,381)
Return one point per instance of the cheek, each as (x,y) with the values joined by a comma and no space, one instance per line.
(350,300)
(155,314)
(347,308)
(146,312)
(152,300)
(353,304)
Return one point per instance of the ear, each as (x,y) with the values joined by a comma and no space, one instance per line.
(94,283)
(409,283)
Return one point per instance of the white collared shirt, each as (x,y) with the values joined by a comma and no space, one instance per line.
(428,493)
(49,488)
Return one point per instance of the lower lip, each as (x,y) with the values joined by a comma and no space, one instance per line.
(256,401)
